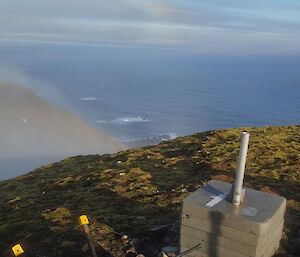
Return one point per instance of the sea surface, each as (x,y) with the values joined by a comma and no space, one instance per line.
(140,94)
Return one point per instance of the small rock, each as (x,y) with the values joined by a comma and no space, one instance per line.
(122,173)
(125,237)
(140,255)
(119,162)
(169,250)
(184,190)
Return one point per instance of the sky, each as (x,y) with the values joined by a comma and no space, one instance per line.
(218,26)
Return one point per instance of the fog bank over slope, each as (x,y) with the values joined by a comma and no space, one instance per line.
(33,129)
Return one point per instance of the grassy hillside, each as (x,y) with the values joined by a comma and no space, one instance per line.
(134,191)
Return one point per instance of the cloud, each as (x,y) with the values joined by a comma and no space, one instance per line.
(34,132)
(87,22)
(202,25)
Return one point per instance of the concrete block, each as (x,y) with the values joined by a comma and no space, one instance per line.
(192,224)
(218,229)
(191,237)
(208,250)
(253,228)
(212,251)
(255,215)
(215,251)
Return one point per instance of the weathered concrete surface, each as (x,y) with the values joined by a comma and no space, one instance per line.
(252,229)
(206,226)
(215,251)
(191,237)
(194,224)
(270,208)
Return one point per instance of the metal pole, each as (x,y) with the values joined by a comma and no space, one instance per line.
(189,250)
(238,184)
(89,239)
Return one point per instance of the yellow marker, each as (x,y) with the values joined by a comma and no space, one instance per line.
(17,250)
(84,220)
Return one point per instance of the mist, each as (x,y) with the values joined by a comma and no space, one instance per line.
(35,132)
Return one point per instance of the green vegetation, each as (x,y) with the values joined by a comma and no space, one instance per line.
(130,192)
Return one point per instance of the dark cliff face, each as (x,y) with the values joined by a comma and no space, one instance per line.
(138,192)
(32,128)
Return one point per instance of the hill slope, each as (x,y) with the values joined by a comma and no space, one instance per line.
(134,191)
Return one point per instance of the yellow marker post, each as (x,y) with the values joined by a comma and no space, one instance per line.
(17,250)
(84,221)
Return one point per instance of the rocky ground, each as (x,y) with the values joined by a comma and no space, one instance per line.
(133,197)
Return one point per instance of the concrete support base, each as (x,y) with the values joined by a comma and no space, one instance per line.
(252,229)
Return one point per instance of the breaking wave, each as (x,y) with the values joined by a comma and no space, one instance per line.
(88,99)
(124,120)
(151,140)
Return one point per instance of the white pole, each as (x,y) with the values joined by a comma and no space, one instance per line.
(238,184)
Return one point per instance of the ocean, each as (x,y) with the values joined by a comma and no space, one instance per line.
(140,95)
